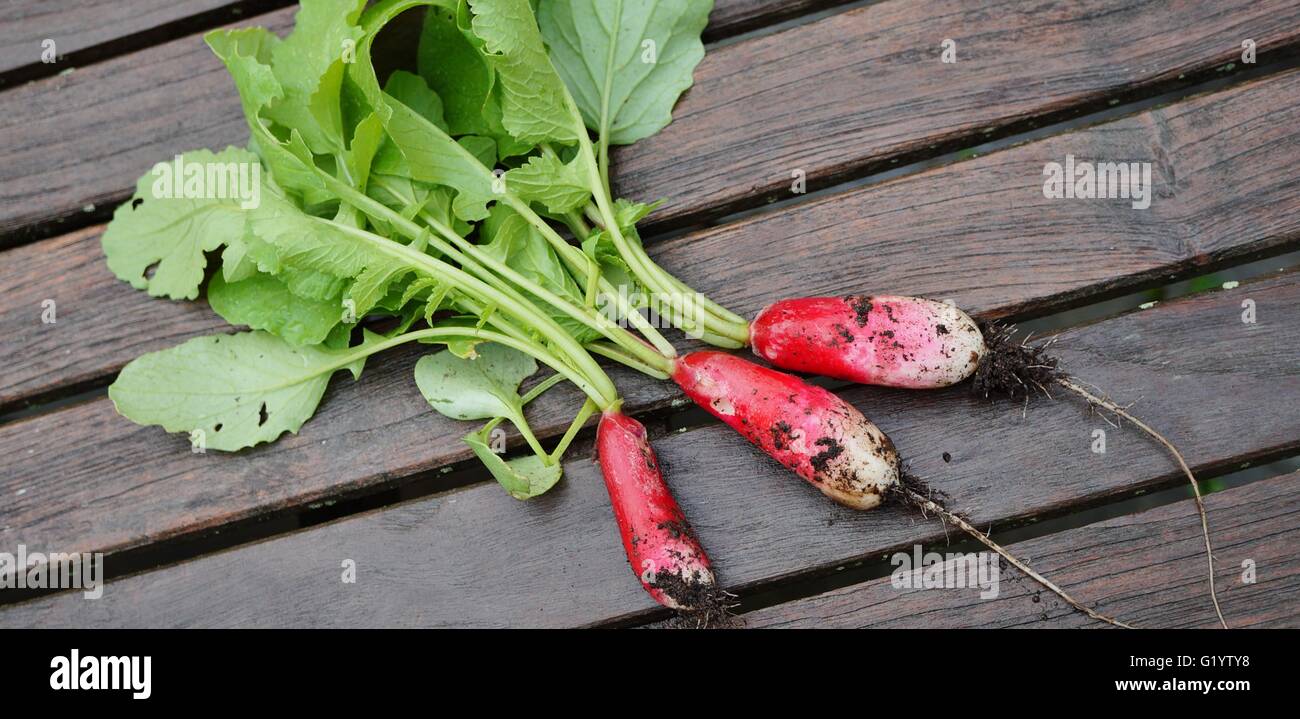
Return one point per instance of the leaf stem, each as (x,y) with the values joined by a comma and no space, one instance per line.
(524,311)
(574,427)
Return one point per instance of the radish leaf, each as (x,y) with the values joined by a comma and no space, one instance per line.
(170,233)
(239,389)
(263,302)
(625,61)
(533,105)
(481,388)
(544,178)
(523,477)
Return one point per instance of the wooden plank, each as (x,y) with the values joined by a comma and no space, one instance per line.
(759,110)
(115,120)
(861,88)
(730,17)
(991,240)
(1147,569)
(477,557)
(88,30)
(84,29)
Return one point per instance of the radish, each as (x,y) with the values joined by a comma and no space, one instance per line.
(660,544)
(824,439)
(882,340)
(917,343)
(821,437)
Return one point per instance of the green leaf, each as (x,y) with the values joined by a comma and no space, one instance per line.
(628,213)
(157,229)
(523,477)
(481,388)
(247,55)
(545,179)
(625,61)
(309,65)
(367,138)
(533,97)
(263,302)
(459,73)
(238,390)
(411,90)
(285,237)
(433,156)
(517,243)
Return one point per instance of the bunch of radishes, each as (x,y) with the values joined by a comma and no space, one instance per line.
(431,206)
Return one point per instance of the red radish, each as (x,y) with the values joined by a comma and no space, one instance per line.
(917,343)
(660,544)
(821,437)
(881,340)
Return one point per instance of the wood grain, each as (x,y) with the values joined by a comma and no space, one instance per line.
(979,232)
(1147,569)
(838,97)
(831,98)
(89,30)
(477,557)
(86,29)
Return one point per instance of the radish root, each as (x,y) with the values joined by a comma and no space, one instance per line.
(1010,369)
(914,493)
(1196,487)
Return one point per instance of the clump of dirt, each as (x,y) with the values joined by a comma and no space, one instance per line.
(861,306)
(1012,369)
(704,605)
(909,486)
(822,459)
(782,435)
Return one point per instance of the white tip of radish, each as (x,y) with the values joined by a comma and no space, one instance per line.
(960,343)
(859,470)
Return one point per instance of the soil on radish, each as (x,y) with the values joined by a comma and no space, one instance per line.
(709,606)
(1011,369)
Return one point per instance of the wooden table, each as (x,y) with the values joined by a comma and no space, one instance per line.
(905,197)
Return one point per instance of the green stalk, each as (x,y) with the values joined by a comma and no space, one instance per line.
(524,311)
(462,247)
(531,349)
(567,252)
(587,408)
(613,352)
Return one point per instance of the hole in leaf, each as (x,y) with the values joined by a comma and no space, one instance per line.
(261,415)
(137,202)
(217,428)
(150,270)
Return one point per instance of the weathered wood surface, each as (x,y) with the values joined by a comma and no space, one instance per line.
(830,98)
(859,88)
(477,557)
(77,26)
(988,238)
(88,485)
(1147,569)
(92,29)
(730,17)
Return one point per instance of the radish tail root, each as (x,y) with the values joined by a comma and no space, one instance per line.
(1014,370)
(1196,487)
(915,493)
